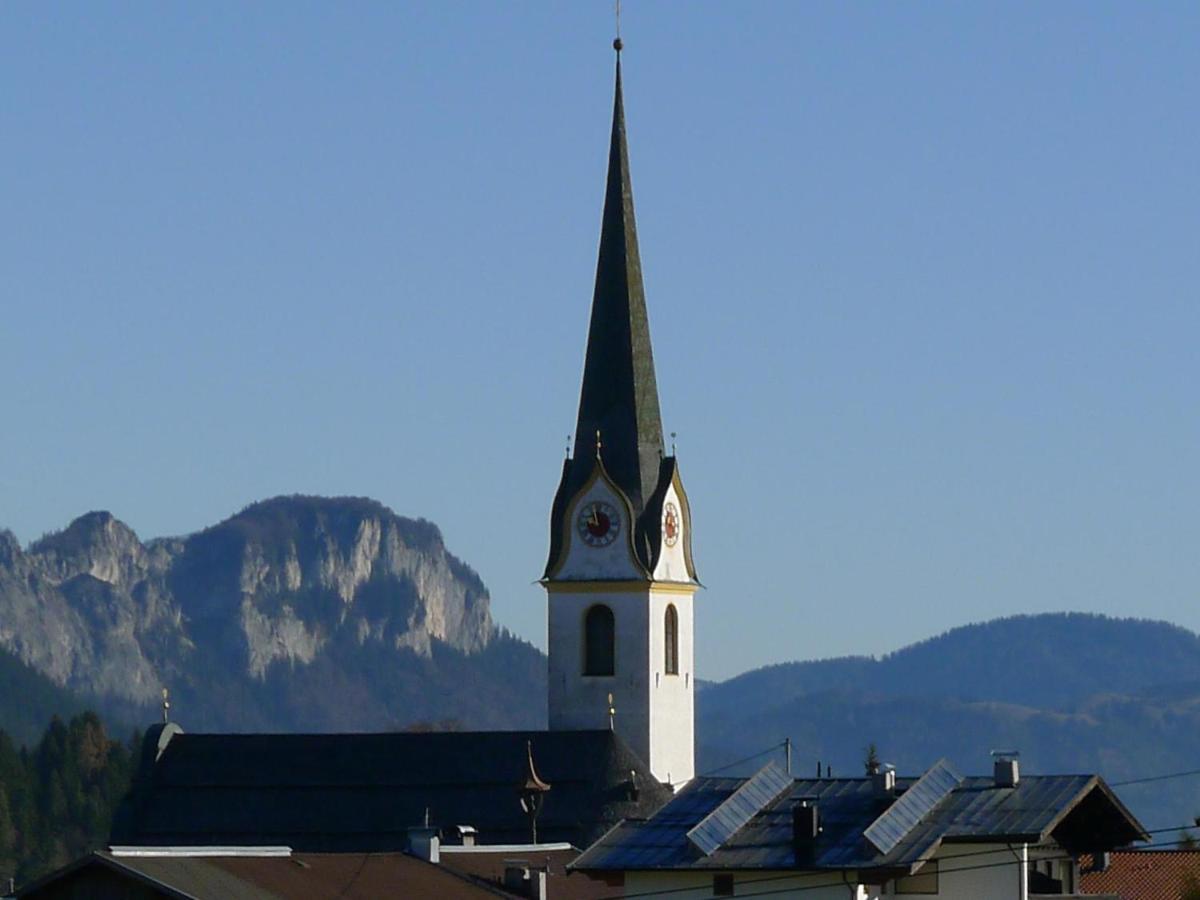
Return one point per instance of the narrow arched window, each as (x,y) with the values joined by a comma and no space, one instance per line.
(598,643)
(671,631)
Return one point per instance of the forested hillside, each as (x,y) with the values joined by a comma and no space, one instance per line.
(1072,692)
(57,798)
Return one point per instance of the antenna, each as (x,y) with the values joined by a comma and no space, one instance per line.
(612,712)
(166,705)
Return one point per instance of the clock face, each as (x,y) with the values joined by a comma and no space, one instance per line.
(670,525)
(598,523)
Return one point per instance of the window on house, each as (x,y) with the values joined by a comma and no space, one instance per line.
(599,639)
(671,630)
(722,885)
(924,881)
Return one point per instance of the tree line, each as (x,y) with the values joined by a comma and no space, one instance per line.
(58,797)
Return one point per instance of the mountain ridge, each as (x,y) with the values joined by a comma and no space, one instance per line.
(260,597)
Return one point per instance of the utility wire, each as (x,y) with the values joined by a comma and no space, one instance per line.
(746,759)
(1154,778)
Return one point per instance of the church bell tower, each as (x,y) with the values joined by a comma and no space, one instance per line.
(620,579)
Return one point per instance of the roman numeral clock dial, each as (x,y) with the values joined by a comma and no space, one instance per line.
(598,523)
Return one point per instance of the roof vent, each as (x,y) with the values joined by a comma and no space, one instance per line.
(424,842)
(883,782)
(466,834)
(1005,768)
(806,823)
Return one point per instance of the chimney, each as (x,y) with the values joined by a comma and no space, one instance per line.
(806,823)
(524,881)
(883,782)
(1005,768)
(424,843)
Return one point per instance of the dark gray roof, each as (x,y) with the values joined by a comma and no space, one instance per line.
(348,792)
(1078,810)
(619,396)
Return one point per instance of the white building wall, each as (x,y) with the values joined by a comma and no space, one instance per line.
(672,697)
(655,711)
(978,872)
(699,885)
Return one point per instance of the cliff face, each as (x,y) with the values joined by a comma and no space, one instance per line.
(284,583)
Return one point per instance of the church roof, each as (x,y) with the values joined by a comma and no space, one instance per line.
(619,397)
(618,401)
(361,792)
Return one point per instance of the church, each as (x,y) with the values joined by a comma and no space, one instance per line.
(619,581)
(607,801)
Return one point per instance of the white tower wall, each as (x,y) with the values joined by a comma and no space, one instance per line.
(655,711)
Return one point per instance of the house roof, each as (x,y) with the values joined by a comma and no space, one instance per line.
(361,792)
(1143,874)
(1079,811)
(308,876)
(488,867)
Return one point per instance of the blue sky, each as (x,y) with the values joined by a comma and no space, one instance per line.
(923,285)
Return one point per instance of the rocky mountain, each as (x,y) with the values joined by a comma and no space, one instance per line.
(311,614)
(298,613)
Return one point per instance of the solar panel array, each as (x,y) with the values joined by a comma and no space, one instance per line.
(886,832)
(739,808)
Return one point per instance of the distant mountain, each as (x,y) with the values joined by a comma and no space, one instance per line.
(1072,692)
(316,614)
(296,614)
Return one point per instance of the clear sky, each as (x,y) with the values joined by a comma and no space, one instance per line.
(924,287)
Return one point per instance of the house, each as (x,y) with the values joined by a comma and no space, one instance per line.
(230,875)
(942,834)
(1166,874)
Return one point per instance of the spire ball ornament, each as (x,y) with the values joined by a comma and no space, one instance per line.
(618,44)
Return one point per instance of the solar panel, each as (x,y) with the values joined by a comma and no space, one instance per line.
(926,792)
(738,808)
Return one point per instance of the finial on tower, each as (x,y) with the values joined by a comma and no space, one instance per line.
(612,712)
(166,705)
(618,45)
(673,443)
(599,444)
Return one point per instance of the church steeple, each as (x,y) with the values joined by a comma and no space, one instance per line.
(620,580)
(619,398)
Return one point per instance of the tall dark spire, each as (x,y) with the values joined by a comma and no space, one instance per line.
(620,395)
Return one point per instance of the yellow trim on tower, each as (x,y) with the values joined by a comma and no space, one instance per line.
(619,587)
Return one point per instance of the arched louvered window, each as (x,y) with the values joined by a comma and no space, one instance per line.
(671,631)
(599,642)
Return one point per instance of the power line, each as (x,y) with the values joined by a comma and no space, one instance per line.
(1151,778)
(746,759)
